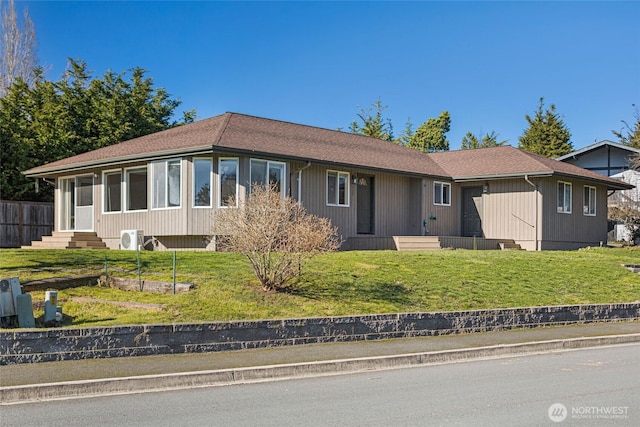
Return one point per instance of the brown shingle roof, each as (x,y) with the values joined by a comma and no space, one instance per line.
(239,133)
(507,161)
(243,134)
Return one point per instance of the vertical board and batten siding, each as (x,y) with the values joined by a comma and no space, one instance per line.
(397,208)
(314,199)
(397,201)
(509,210)
(442,220)
(23,222)
(568,231)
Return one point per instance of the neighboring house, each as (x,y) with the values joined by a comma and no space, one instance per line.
(614,160)
(625,199)
(604,157)
(168,183)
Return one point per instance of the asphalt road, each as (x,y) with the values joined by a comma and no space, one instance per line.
(598,386)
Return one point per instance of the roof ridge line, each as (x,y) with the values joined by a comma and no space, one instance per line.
(223,128)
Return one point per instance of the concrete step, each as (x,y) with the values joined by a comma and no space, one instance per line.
(417,243)
(509,244)
(69,240)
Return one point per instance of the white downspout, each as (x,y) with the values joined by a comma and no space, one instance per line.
(535,186)
(300,182)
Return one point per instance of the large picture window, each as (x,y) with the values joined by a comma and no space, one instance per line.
(227,182)
(589,208)
(564,197)
(264,172)
(136,184)
(337,188)
(166,184)
(112,191)
(202,169)
(442,193)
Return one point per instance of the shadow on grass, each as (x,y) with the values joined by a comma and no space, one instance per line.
(390,293)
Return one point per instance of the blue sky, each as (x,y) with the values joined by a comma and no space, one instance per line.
(487,63)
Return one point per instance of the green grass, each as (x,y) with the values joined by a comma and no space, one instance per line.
(342,283)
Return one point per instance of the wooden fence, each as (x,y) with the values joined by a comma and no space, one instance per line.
(23,222)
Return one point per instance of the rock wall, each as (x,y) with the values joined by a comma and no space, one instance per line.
(56,344)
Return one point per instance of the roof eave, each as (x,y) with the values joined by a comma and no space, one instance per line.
(501,176)
(44,172)
(232,151)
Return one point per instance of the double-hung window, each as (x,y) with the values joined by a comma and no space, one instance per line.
(589,206)
(266,172)
(564,197)
(442,193)
(227,182)
(136,186)
(165,184)
(202,171)
(112,191)
(337,188)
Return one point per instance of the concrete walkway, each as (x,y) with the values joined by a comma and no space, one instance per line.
(52,380)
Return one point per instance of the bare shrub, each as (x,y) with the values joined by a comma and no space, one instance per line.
(274,233)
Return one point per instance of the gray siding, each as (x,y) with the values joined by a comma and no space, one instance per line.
(574,229)
(397,209)
(509,210)
(397,202)
(442,220)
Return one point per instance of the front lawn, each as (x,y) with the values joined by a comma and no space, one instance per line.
(342,283)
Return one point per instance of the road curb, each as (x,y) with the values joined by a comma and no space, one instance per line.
(183,380)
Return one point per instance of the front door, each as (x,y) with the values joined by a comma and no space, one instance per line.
(76,197)
(366,193)
(471,208)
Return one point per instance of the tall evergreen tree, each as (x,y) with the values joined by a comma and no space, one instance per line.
(630,134)
(52,120)
(470,141)
(405,138)
(373,124)
(431,135)
(547,134)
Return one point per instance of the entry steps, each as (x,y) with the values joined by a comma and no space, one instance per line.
(69,240)
(433,243)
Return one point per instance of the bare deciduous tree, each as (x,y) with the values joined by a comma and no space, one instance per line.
(624,208)
(274,233)
(18,48)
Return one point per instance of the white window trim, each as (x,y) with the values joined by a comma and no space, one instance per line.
(283,184)
(218,186)
(193,182)
(595,200)
(347,188)
(561,209)
(126,188)
(104,190)
(166,187)
(442,186)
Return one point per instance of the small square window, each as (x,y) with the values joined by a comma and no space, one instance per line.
(442,193)
(337,188)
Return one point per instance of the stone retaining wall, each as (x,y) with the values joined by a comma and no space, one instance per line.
(29,346)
